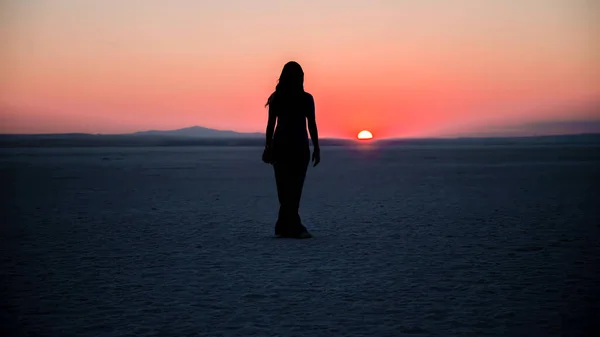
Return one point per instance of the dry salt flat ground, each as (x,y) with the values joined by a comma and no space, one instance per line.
(409,241)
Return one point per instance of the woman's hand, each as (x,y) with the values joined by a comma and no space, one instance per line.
(316,156)
(267,156)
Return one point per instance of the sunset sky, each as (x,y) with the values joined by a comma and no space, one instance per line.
(400,68)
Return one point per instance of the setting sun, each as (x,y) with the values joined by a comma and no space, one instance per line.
(364,134)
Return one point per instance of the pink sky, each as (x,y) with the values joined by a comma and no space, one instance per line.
(397,68)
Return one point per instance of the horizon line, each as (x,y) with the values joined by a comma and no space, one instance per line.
(455,137)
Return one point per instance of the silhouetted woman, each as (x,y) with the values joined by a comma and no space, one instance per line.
(287,146)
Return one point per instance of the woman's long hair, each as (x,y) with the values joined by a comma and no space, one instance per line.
(291,81)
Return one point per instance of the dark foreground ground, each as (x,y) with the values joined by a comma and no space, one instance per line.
(421,240)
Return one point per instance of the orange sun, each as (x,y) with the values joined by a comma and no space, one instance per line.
(364,135)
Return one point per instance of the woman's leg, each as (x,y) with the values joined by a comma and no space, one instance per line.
(297,179)
(284,177)
(282,195)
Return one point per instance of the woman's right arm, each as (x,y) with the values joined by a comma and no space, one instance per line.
(270,126)
(312,124)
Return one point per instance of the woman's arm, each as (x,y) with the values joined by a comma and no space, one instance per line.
(312,124)
(271,126)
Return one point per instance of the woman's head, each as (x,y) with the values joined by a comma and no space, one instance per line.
(291,79)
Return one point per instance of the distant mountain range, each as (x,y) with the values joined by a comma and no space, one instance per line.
(199,131)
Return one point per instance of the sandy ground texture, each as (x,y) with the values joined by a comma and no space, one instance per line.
(429,241)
